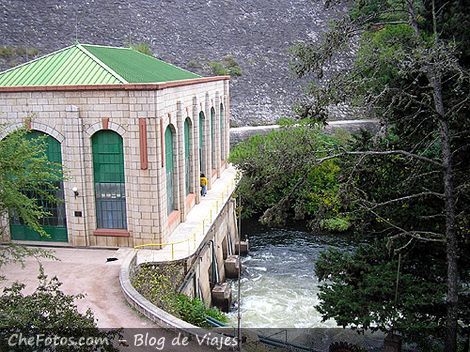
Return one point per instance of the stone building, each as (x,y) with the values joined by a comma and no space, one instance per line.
(133,133)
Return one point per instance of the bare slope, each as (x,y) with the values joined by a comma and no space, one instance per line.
(187,33)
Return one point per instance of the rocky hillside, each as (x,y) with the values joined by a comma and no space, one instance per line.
(188,33)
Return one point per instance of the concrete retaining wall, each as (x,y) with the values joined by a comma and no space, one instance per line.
(241,133)
(222,235)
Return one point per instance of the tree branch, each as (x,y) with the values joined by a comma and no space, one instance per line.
(386,152)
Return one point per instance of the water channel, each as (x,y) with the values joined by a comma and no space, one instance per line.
(279,286)
(279,289)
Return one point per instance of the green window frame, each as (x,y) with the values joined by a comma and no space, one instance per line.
(109,179)
(213,158)
(202,160)
(222,130)
(187,156)
(170,170)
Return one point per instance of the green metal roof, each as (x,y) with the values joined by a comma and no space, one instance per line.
(92,65)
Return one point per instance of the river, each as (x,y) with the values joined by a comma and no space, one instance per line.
(279,289)
(278,285)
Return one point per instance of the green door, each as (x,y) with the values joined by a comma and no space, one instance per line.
(170,170)
(213,138)
(109,178)
(55,223)
(222,136)
(202,161)
(187,153)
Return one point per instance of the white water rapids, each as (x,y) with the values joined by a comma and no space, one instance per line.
(279,286)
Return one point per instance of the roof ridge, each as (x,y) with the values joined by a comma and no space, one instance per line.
(101,63)
(36,59)
(104,46)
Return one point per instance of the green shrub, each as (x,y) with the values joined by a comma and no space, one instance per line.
(7,51)
(143,48)
(227,67)
(216,314)
(160,284)
(336,224)
(218,68)
(193,311)
(12,51)
(194,64)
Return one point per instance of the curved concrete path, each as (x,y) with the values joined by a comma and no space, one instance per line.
(86,271)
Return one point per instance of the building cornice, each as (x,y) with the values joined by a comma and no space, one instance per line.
(126,86)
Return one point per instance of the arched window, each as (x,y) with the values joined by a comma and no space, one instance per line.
(54,224)
(213,158)
(108,171)
(170,170)
(187,156)
(202,160)
(222,133)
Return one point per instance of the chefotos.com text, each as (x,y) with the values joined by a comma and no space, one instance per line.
(43,340)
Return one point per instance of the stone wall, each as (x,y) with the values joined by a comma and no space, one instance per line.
(222,235)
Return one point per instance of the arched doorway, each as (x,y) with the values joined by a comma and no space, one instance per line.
(222,133)
(213,158)
(170,170)
(202,159)
(187,155)
(55,224)
(110,184)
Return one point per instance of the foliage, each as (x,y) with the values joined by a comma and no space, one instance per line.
(409,185)
(193,311)
(282,181)
(339,224)
(362,285)
(25,175)
(12,51)
(11,56)
(226,67)
(160,285)
(51,312)
(143,48)
(194,64)
(15,253)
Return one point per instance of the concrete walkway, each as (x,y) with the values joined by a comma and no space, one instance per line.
(84,271)
(186,238)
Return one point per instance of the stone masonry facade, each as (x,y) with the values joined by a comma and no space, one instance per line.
(139,113)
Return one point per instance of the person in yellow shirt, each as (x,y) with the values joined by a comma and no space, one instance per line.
(203,185)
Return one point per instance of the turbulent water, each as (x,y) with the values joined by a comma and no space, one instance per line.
(278,286)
